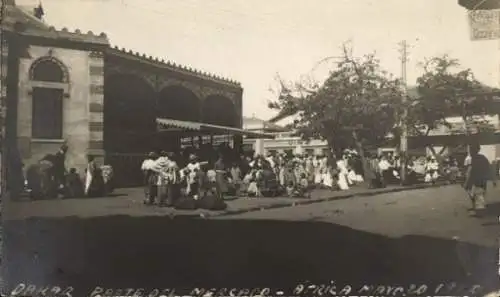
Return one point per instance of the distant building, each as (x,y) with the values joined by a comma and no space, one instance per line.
(284,142)
(452,140)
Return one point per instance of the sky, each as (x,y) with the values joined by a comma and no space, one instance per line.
(253,41)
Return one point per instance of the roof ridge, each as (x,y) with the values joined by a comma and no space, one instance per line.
(78,32)
(182,67)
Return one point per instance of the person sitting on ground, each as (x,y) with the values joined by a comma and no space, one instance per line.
(74,185)
(290,189)
(107,174)
(431,168)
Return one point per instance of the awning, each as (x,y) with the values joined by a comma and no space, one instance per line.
(479,4)
(206,129)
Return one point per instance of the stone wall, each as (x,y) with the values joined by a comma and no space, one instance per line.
(76,103)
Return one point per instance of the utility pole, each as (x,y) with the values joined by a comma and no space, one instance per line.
(403,146)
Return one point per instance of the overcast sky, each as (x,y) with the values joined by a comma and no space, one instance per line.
(253,40)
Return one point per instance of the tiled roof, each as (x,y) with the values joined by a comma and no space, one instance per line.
(35,27)
(177,67)
(78,35)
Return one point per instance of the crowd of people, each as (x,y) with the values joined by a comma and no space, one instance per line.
(209,177)
(170,179)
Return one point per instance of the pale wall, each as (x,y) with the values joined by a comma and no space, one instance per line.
(75,108)
(281,144)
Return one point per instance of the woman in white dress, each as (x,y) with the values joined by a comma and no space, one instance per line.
(94,182)
(350,175)
(342,176)
(327,177)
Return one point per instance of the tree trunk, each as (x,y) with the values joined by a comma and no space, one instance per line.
(359,147)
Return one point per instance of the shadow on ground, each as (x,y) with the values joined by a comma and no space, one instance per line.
(123,251)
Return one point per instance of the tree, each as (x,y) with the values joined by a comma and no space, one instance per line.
(444,91)
(357,105)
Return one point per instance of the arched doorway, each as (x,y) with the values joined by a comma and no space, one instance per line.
(129,114)
(178,103)
(219,110)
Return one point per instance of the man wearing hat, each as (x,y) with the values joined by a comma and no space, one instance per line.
(192,173)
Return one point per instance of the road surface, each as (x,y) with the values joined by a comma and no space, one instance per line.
(421,236)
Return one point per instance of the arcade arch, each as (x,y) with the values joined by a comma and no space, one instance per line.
(219,110)
(178,103)
(130,112)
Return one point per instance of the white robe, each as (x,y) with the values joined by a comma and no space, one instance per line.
(351,175)
(327,179)
(342,182)
(318,179)
(88,180)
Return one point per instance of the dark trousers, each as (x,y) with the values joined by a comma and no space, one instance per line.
(167,194)
(386,177)
(151,193)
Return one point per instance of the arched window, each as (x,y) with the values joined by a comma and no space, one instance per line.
(49,80)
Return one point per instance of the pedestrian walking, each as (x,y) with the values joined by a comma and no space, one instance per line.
(478,174)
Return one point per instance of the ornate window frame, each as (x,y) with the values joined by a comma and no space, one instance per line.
(64,85)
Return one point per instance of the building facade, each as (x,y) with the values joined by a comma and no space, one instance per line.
(72,87)
(284,141)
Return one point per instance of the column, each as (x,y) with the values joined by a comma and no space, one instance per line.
(96,105)
(3,108)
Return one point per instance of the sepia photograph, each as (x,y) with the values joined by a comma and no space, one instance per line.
(250,148)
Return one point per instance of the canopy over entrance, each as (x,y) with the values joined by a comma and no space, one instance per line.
(196,128)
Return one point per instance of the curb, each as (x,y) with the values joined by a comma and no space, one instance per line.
(319,200)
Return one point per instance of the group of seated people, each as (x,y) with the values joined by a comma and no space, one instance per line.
(262,180)
(49,179)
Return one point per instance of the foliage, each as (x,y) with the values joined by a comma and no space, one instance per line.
(356,105)
(444,91)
